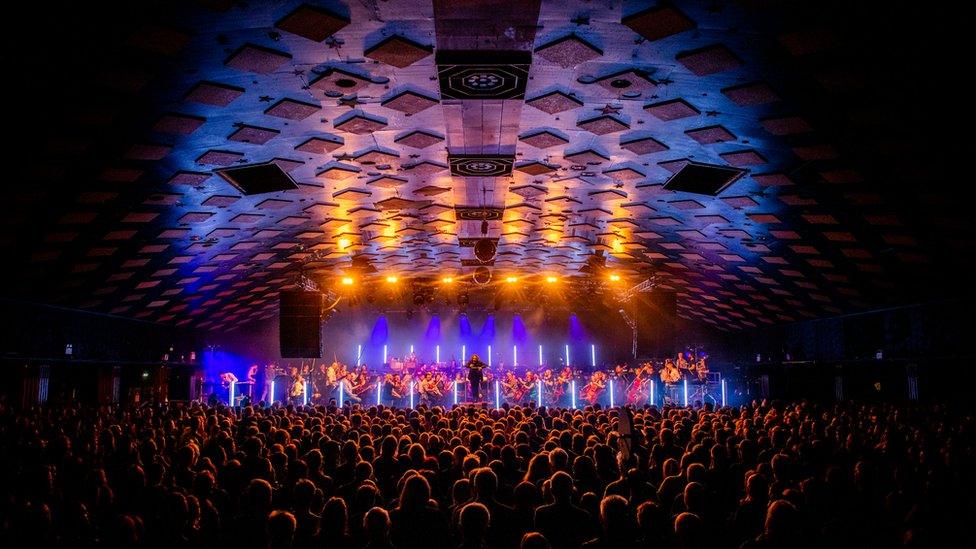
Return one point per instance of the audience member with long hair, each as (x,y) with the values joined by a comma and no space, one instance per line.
(765,475)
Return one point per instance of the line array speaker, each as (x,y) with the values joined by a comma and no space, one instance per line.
(299,324)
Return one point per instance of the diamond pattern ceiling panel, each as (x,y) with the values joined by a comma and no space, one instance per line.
(118,208)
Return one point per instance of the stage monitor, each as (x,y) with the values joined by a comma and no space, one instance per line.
(299,324)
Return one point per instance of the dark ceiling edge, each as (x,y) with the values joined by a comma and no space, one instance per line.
(971,297)
(6,300)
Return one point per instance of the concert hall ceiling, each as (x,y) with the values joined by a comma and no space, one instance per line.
(564,121)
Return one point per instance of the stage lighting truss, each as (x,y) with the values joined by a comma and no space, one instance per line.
(305,283)
(641,287)
(632,324)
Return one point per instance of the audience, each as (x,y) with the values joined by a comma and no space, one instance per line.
(762,476)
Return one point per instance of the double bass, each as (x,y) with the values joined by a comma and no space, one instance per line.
(636,389)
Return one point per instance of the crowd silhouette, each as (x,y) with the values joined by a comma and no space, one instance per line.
(764,475)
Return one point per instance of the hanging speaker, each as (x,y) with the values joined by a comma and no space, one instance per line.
(481,276)
(484,249)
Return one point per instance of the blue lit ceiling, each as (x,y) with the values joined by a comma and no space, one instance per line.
(119,210)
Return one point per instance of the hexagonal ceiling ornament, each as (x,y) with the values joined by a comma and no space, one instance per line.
(482,74)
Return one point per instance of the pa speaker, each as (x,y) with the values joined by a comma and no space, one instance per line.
(655,313)
(299,324)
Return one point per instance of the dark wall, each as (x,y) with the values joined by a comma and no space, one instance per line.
(919,351)
(42,332)
(938,329)
(112,359)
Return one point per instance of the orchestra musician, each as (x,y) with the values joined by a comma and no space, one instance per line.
(635,393)
(511,387)
(531,385)
(595,387)
(429,388)
(683,364)
(549,383)
(396,388)
(561,385)
(348,388)
(252,379)
(701,370)
(226,379)
(475,368)
(670,374)
(297,389)
(270,371)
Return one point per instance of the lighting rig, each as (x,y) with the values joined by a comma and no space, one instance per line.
(641,287)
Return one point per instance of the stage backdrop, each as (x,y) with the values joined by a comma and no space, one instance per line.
(357,333)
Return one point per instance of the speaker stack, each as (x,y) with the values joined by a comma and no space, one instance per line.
(300,324)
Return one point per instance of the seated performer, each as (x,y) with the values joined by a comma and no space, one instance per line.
(429,389)
(531,384)
(348,389)
(701,370)
(226,379)
(361,382)
(459,380)
(670,376)
(395,384)
(595,387)
(511,387)
(475,376)
(549,386)
(332,374)
(297,386)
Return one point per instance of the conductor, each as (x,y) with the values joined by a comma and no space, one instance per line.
(475,366)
